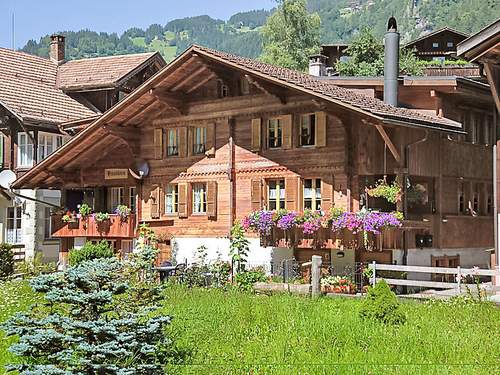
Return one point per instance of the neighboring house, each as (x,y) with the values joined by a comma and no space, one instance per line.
(222,136)
(37,97)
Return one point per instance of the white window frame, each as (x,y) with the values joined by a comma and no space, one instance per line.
(24,145)
(14,236)
(116,197)
(312,194)
(311,126)
(172,142)
(275,127)
(199,198)
(199,140)
(44,139)
(277,195)
(172,199)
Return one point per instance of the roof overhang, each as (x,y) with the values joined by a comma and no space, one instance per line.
(481,43)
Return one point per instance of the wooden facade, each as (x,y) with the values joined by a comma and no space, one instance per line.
(222,140)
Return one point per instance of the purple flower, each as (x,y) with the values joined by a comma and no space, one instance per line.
(287,221)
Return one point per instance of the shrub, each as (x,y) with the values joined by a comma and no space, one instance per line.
(35,266)
(382,304)
(245,280)
(93,322)
(6,260)
(90,251)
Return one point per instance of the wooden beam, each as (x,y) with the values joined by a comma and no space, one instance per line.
(201,82)
(266,89)
(190,78)
(388,142)
(493,75)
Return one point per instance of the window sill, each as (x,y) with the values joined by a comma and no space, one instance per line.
(199,214)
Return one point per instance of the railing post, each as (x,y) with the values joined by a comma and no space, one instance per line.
(315,275)
(459,280)
(374,276)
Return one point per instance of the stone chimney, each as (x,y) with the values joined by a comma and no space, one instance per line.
(317,65)
(56,51)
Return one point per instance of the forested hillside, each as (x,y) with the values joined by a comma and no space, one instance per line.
(341,19)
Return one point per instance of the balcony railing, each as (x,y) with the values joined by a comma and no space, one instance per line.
(115,227)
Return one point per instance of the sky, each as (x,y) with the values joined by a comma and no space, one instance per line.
(36,18)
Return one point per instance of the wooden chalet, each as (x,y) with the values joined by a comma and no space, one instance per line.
(224,135)
(438,44)
(42,101)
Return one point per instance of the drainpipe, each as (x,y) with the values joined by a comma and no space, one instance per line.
(231,173)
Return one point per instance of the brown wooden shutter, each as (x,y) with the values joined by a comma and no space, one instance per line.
(256,194)
(210,145)
(326,194)
(256,134)
(291,193)
(158,143)
(320,129)
(286,125)
(212,199)
(183,189)
(183,142)
(155,202)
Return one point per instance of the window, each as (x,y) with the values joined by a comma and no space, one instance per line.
(461,199)
(172,142)
(132,198)
(475,202)
(312,194)
(200,139)
(172,199)
(276,194)
(244,86)
(47,227)
(117,197)
(199,198)
(14,215)
(24,150)
(435,45)
(489,205)
(274,133)
(307,130)
(48,143)
(449,44)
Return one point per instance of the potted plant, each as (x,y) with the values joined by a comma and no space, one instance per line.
(123,211)
(69,217)
(84,210)
(100,217)
(390,192)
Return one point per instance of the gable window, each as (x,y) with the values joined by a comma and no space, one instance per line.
(24,150)
(172,142)
(274,133)
(308,130)
(276,194)
(14,215)
(449,44)
(172,199)
(199,198)
(435,45)
(200,140)
(312,194)
(117,197)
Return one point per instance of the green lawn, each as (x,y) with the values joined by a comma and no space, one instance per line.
(232,333)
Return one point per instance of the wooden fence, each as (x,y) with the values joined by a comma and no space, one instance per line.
(459,273)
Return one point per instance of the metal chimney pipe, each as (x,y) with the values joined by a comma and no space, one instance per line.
(391,63)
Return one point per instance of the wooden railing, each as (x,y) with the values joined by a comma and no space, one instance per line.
(115,227)
(459,273)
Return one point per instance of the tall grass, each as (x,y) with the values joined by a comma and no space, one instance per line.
(226,333)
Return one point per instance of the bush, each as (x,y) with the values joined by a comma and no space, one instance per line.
(6,261)
(245,280)
(35,266)
(382,304)
(90,251)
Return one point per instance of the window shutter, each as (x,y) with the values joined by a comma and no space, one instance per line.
(320,129)
(158,143)
(212,199)
(287,131)
(256,134)
(326,194)
(155,203)
(183,199)
(210,145)
(256,194)
(183,142)
(291,193)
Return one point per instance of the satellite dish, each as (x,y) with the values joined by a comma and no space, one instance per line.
(7,177)
(142,168)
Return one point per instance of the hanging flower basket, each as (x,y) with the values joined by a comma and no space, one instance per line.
(390,192)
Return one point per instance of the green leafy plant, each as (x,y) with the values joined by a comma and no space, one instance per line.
(100,217)
(90,324)
(6,260)
(238,247)
(123,211)
(245,280)
(84,210)
(90,251)
(69,217)
(381,304)
(390,192)
(35,266)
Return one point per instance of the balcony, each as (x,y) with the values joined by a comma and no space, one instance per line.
(115,227)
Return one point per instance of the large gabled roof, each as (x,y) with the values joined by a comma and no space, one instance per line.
(97,134)
(103,72)
(28,89)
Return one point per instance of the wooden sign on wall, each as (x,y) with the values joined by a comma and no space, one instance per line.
(115,174)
